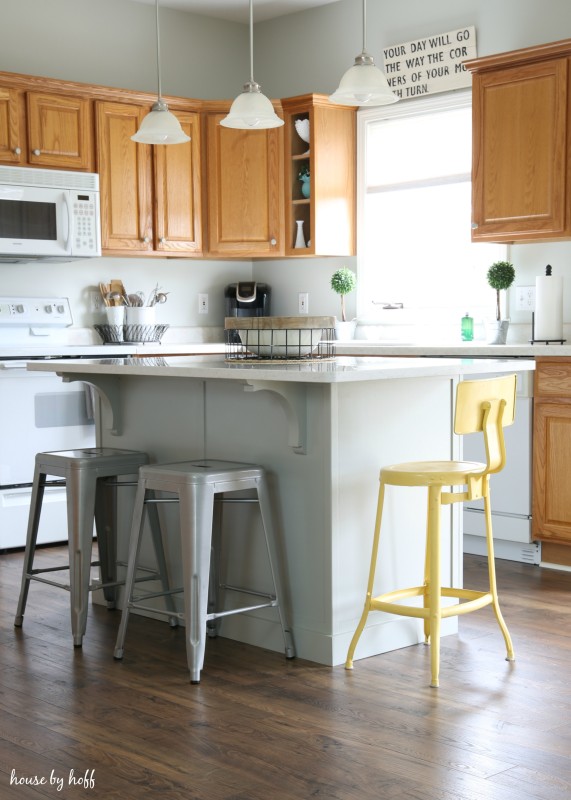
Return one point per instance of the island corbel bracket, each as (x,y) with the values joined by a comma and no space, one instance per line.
(293,400)
(107,387)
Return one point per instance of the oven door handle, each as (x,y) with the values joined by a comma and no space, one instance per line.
(13,365)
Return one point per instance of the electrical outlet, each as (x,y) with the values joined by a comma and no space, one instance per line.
(203,304)
(525,298)
(303,303)
(96,301)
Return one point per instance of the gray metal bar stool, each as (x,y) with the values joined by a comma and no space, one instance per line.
(91,481)
(196,484)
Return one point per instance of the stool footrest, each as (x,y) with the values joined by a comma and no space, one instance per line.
(386,602)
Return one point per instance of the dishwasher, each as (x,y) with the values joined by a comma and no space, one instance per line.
(510,489)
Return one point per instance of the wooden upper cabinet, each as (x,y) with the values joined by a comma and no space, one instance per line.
(124,179)
(60,131)
(178,226)
(327,215)
(521,167)
(12,136)
(244,190)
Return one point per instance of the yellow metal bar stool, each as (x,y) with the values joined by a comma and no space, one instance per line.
(91,478)
(482,406)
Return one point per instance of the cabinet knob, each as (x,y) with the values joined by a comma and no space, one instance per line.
(17,151)
(37,152)
(162,240)
(474,226)
(273,242)
(146,239)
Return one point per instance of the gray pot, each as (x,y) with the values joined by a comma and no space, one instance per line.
(497,332)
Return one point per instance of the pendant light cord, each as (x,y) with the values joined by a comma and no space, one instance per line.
(160,94)
(252,41)
(364,26)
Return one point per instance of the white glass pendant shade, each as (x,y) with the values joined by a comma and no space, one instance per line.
(160,126)
(364,84)
(251,109)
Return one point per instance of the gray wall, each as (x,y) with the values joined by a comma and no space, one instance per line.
(111,42)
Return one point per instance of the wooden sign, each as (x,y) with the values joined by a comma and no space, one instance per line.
(431,65)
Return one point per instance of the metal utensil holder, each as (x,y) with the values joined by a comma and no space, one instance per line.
(130,334)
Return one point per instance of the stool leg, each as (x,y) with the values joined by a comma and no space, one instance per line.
(157,537)
(215,600)
(196,514)
(132,559)
(80,516)
(372,569)
(492,578)
(434,593)
(275,561)
(426,621)
(38,487)
(106,527)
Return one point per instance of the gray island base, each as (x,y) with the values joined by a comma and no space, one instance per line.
(322,430)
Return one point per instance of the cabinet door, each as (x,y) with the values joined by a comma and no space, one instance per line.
(12,145)
(59,131)
(520,165)
(245,196)
(552,471)
(125,179)
(177,191)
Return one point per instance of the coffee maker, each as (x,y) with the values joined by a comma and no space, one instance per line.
(246,299)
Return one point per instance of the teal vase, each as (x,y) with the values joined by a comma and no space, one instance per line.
(305,186)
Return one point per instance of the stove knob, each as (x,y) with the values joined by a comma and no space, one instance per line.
(60,309)
(19,309)
(48,309)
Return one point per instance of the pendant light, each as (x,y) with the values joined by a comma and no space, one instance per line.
(364,84)
(160,126)
(251,109)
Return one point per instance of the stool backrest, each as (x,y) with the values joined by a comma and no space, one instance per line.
(487,406)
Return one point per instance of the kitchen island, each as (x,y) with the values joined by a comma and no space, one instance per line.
(322,429)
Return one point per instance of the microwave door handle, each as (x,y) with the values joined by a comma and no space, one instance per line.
(13,365)
(67,232)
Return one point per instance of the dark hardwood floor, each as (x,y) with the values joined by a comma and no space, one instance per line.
(259,727)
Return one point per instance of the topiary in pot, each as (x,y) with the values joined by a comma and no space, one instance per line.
(500,276)
(343,281)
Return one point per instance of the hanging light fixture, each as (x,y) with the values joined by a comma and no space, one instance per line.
(160,126)
(251,109)
(364,84)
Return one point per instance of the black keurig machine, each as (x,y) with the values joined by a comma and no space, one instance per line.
(246,299)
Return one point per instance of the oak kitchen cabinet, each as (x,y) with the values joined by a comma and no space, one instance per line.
(150,201)
(243,189)
(521,159)
(552,453)
(328,214)
(44,128)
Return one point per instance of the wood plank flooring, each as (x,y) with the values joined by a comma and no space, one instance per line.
(259,727)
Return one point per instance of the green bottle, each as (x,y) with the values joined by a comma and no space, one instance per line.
(467,328)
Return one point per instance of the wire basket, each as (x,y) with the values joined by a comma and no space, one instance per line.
(282,339)
(130,334)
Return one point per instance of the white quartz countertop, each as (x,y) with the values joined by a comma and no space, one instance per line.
(463,349)
(338,370)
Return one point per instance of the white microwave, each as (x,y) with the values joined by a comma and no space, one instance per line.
(48,214)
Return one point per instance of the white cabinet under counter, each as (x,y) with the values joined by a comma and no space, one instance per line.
(323,430)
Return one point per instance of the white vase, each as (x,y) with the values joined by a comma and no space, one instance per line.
(345,331)
(299,240)
(497,331)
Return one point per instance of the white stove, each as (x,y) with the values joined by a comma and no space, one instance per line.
(40,413)
(41,327)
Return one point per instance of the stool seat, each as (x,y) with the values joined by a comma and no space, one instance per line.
(427,473)
(196,484)
(90,497)
(486,407)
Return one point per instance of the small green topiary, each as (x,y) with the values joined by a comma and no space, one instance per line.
(343,281)
(500,276)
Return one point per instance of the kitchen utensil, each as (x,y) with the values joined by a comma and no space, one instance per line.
(160,297)
(135,300)
(104,289)
(116,288)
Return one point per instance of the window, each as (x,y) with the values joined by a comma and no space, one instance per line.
(415,214)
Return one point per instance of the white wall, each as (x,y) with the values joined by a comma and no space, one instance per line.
(111,42)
